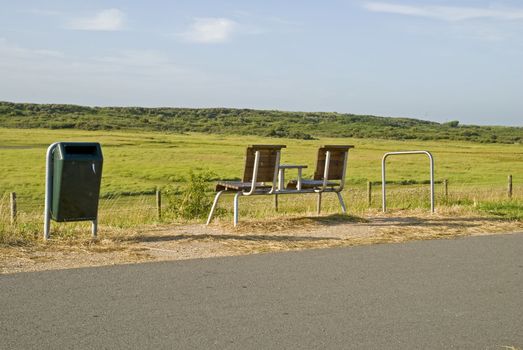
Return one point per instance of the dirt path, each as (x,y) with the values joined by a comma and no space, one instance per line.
(177,242)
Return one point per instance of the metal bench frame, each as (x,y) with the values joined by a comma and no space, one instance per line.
(277,185)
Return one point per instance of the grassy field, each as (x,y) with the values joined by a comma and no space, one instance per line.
(137,162)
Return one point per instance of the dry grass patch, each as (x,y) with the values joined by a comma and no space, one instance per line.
(292,223)
(271,234)
(402,226)
(342,230)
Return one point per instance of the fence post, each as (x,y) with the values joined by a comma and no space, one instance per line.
(159,203)
(369,193)
(510,187)
(13,207)
(446,188)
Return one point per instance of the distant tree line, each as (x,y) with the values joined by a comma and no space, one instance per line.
(270,123)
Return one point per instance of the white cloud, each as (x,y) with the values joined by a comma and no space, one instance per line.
(114,77)
(210,30)
(446,13)
(43,12)
(9,50)
(136,58)
(106,20)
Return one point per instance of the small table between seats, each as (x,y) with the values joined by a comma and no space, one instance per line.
(281,175)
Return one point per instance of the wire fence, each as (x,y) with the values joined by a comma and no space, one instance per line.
(127,209)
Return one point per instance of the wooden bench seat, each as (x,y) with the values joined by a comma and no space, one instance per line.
(310,184)
(261,168)
(240,186)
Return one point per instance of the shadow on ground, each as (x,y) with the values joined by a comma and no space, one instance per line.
(330,220)
(434,222)
(290,223)
(219,237)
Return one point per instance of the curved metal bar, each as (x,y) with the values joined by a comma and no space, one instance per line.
(236,208)
(326,174)
(213,208)
(275,179)
(325,177)
(326,170)
(342,182)
(48,189)
(342,204)
(254,174)
(384,183)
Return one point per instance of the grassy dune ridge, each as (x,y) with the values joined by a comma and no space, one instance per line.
(229,121)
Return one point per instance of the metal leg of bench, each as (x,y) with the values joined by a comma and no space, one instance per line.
(214,204)
(319,203)
(276,202)
(236,196)
(340,198)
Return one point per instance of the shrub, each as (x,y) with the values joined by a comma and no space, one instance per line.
(194,200)
(452,124)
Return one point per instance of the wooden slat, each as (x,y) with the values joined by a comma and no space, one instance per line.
(339,147)
(238,186)
(310,184)
(267,164)
(336,161)
(258,147)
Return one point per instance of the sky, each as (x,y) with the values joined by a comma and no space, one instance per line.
(434,60)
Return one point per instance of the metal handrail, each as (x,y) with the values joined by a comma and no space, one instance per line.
(384,183)
(48,189)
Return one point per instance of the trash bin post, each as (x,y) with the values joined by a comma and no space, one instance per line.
(48,189)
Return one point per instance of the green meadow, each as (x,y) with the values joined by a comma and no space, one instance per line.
(138,162)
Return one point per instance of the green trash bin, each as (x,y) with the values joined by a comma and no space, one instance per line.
(77,175)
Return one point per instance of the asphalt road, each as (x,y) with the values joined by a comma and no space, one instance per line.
(445,294)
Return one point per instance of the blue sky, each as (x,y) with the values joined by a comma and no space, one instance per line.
(435,60)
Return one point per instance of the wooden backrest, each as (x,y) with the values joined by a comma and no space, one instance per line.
(268,162)
(337,161)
